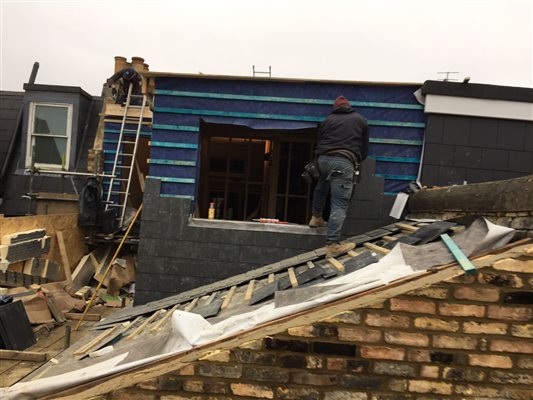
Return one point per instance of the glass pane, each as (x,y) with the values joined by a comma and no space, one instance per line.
(51,120)
(49,150)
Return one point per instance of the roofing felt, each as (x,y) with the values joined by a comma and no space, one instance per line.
(159,337)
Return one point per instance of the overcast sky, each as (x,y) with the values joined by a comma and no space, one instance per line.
(359,40)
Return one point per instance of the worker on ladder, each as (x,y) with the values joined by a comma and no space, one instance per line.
(124,78)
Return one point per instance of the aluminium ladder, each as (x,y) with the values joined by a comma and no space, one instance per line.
(125,160)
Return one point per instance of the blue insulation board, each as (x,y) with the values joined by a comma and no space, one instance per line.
(396,121)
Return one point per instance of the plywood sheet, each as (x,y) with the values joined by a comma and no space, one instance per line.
(51,224)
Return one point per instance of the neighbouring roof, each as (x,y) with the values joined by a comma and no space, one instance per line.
(10,112)
(155,74)
(34,87)
(477,90)
(161,336)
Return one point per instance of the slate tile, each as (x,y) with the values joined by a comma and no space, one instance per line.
(428,233)
(521,161)
(479,175)
(451,176)
(264,292)
(439,154)
(358,262)
(484,132)
(209,310)
(430,174)
(456,130)
(377,233)
(309,275)
(495,159)
(503,175)
(466,156)
(511,134)
(434,128)
(218,251)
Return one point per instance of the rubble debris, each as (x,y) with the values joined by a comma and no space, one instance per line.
(11,253)
(15,329)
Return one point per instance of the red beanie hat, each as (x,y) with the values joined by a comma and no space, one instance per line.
(341,101)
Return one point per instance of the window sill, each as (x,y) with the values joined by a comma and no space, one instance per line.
(255,226)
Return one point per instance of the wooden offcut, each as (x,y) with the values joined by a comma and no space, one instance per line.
(65,262)
(22,355)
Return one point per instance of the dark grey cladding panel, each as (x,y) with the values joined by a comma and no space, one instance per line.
(456,130)
(521,161)
(484,132)
(495,159)
(503,175)
(438,154)
(434,128)
(479,175)
(430,174)
(511,135)
(218,252)
(451,176)
(469,157)
(528,140)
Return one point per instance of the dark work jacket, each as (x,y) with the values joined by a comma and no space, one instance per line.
(343,129)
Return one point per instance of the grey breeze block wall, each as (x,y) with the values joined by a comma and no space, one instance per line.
(177,254)
(475,149)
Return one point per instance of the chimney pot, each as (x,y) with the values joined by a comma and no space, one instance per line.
(137,63)
(120,63)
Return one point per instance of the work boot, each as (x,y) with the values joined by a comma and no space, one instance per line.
(317,222)
(336,248)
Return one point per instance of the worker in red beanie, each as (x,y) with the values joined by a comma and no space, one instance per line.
(342,144)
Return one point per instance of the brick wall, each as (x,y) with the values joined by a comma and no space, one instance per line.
(468,338)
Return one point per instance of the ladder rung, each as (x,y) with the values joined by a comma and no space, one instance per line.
(124,166)
(137,95)
(115,205)
(117,192)
(134,106)
(128,142)
(130,130)
(120,179)
(125,154)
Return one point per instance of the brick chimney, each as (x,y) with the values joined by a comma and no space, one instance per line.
(137,63)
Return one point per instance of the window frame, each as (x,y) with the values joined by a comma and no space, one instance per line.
(31,135)
(276,138)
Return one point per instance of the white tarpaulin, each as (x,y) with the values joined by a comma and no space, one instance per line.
(190,330)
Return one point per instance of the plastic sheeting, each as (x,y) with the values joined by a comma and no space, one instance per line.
(191,330)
